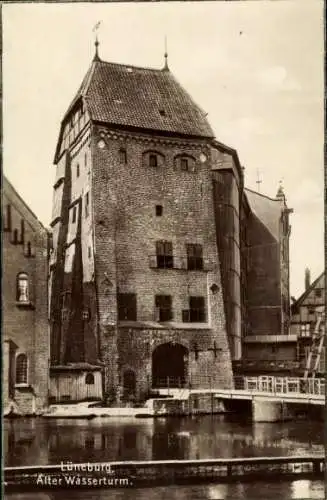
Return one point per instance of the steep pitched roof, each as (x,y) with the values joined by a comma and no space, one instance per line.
(266,209)
(141,97)
(308,290)
(20,205)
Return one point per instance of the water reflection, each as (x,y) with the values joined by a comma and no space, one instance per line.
(298,490)
(40,441)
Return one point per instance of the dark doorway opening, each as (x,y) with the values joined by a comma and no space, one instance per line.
(169,366)
(129,383)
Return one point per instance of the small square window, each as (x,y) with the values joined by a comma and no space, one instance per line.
(159,210)
(153,160)
(318,292)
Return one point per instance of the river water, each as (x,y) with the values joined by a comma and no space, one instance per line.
(40,441)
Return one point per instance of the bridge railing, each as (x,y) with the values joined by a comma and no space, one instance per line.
(281,385)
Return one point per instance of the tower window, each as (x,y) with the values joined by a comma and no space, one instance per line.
(164,250)
(74,215)
(184,164)
(127,306)
(22,288)
(159,210)
(194,257)
(163,307)
(85,159)
(123,156)
(87,201)
(197,310)
(77,170)
(89,252)
(21,369)
(153,160)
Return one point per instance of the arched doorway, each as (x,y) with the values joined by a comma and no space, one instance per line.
(169,366)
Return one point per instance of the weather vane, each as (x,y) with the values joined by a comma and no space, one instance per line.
(95,30)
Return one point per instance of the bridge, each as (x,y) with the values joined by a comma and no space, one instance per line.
(271,397)
(270,387)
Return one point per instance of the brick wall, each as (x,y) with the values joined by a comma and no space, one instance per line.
(26,326)
(126,230)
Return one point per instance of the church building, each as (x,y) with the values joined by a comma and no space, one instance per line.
(148,272)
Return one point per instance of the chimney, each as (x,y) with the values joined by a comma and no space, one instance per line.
(307,278)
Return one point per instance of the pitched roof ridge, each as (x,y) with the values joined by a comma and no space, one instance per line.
(10,185)
(83,88)
(262,195)
(147,68)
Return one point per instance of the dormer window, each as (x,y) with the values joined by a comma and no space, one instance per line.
(162,112)
(153,160)
(122,156)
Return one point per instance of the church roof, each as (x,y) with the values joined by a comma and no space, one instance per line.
(145,98)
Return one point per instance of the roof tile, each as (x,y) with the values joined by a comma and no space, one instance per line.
(143,98)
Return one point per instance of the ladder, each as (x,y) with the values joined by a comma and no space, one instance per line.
(318,339)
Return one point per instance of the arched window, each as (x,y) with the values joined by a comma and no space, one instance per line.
(185,162)
(153,159)
(21,369)
(22,288)
(89,379)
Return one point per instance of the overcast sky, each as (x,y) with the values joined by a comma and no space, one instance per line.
(255,67)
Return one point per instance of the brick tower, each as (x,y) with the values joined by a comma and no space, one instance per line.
(135,274)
